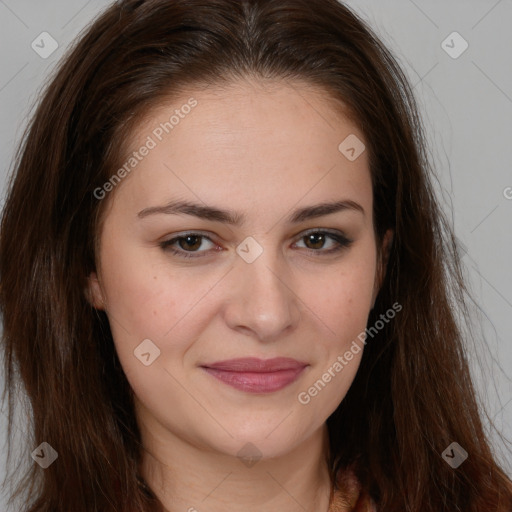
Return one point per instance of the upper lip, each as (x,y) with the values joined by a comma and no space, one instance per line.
(254,364)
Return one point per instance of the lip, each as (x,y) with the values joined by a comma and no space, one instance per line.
(256,375)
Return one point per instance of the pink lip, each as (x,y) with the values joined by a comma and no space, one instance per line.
(256,375)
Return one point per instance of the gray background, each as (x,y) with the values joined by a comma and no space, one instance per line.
(466,104)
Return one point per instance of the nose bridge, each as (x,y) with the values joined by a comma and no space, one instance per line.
(262,296)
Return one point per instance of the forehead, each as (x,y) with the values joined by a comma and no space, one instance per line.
(249,141)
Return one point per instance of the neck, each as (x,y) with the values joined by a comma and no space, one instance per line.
(189,478)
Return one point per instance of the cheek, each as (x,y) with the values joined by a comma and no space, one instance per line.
(343,298)
(343,308)
(147,301)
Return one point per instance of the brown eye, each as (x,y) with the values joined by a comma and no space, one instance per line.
(190,242)
(315,240)
(325,242)
(189,245)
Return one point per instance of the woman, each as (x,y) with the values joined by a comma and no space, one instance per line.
(226,283)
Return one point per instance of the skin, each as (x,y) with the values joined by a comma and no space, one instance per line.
(262,150)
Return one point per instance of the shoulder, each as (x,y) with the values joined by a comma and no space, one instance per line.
(348,495)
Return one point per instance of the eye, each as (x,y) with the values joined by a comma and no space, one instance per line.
(186,245)
(316,240)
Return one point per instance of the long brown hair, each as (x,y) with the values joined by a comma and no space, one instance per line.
(412,396)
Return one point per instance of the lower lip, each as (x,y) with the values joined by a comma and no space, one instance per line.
(256,382)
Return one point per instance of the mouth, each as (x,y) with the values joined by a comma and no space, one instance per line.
(255,375)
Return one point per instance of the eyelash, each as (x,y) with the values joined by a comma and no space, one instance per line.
(343,242)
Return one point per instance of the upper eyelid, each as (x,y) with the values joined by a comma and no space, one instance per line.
(302,234)
(299,235)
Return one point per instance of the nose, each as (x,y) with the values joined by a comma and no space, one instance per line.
(262,300)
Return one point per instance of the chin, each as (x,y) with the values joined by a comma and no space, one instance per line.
(267,443)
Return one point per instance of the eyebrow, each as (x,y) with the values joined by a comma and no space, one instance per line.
(236,219)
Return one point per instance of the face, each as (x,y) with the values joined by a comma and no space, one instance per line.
(229,288)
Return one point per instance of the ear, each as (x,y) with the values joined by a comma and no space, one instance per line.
(382,264)
(94,293)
